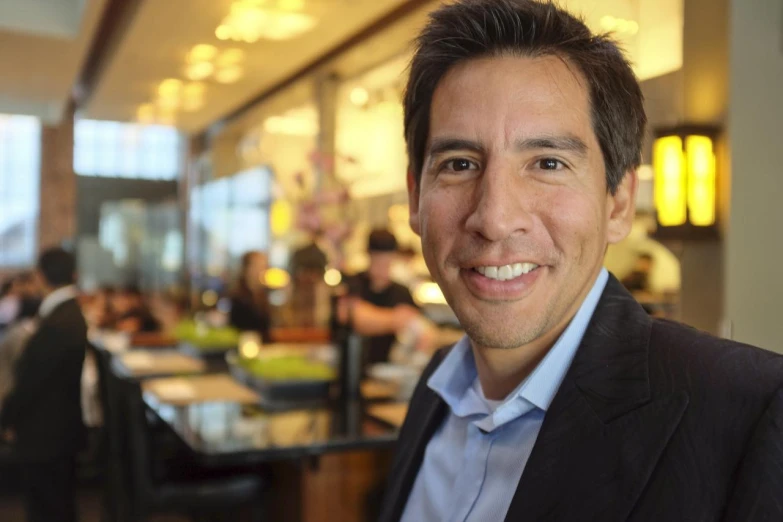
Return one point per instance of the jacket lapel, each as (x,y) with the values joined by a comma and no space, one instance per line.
(425,416)
(603,433)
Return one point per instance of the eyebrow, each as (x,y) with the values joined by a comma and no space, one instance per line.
(563,143)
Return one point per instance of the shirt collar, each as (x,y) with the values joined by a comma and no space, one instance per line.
(57,298)
(453,379)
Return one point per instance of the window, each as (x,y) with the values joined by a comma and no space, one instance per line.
(20,168)
(126,150)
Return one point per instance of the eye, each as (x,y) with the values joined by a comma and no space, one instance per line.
(550,164)
(459,165)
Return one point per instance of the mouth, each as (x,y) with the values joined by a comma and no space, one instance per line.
(506,272)
(502,282)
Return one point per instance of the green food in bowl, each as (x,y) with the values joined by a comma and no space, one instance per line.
(292,368)
(204,337)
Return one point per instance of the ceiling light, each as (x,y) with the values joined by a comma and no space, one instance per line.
(229,74)
(223,32)
(202,53)
(291,5)
(359,96)
(146,113)
(248,21)
(230,57)
(169,104)
(170,88)
(199,71)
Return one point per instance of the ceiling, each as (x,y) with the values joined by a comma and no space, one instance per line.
(161,35)
(44,43)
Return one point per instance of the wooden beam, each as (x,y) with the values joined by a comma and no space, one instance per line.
(116,19)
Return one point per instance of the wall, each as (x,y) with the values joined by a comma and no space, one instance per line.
(754,243)
(57,220)
(92,192)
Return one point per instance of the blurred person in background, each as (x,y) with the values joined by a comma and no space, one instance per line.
(131,313)
(250,310)
(638,279)
(376,307)
(42,417)
(20,298)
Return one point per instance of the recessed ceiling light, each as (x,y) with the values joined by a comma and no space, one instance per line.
(199,71)
(229,74)
(202,53)
(169,88)
(359,96)
(230,57)
(223,32)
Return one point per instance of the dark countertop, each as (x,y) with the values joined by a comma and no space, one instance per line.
(225,434)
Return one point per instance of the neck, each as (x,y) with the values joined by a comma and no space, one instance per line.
(49,290)
(501,370)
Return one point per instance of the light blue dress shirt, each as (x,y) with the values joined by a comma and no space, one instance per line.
(474,461)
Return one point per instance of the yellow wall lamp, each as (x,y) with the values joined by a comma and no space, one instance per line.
(685,183)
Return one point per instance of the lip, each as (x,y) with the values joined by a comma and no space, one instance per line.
(477,264)
(493,290)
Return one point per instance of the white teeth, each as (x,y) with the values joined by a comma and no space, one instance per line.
(506,272)
(528,267)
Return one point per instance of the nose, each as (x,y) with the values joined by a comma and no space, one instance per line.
(501,204)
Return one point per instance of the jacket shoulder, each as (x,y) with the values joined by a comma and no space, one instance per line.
(683,356)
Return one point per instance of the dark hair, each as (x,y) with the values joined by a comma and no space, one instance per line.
(57,266)
(471,29)
(381,240)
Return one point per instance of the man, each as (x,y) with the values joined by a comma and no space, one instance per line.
(42,415)
(379,308)
(565,401)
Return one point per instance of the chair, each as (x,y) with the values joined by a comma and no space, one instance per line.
(208,495)
(115,500)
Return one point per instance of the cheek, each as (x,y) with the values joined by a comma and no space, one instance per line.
(574,222)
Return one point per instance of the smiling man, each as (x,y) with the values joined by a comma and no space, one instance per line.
(565,401)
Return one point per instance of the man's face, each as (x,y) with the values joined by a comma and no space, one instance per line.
(514,188)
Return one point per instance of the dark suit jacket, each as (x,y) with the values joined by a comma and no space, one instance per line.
(44,408)
(654,421)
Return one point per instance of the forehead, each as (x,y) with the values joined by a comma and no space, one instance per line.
(512,96)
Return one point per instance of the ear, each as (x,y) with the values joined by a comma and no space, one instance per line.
(622,208)
(413,202)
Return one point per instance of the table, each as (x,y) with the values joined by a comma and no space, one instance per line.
(139,364)
(233,432)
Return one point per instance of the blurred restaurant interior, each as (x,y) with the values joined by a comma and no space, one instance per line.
(192,151)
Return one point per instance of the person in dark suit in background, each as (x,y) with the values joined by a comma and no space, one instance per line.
(42,415)
(250,309)
(565,401)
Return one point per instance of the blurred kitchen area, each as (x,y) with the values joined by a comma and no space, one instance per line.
(165,141)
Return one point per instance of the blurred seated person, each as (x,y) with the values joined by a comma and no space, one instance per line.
(638,280)
(11,345)
(378,308)
(132,313)
(20,298)
(250,310)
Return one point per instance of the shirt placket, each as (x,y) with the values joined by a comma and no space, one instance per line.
(473,473)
